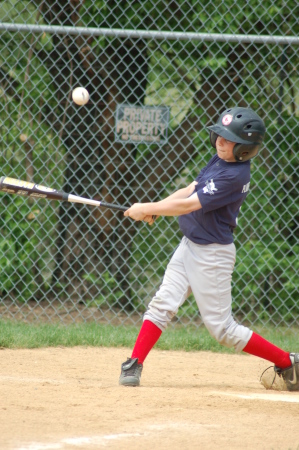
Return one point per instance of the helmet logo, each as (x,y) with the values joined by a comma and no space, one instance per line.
(226,120)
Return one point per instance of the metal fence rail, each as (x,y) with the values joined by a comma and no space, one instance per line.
(147,34)
(157,75)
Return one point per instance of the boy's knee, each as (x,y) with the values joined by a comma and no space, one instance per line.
(232,335)
(160,317)
(221,336)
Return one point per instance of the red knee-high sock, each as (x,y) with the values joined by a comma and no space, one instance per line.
(148,336)
(258,346)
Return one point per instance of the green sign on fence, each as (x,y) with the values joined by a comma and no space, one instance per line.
(141,123)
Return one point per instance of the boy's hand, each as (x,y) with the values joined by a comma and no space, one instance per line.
(136,212)
(150,219)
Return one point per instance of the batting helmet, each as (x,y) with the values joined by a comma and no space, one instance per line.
(243,126)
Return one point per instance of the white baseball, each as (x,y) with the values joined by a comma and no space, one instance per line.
(80,96)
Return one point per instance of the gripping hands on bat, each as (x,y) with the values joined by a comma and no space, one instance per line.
(180,202)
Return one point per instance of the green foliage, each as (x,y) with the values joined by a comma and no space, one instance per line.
(23,259)
(195,16)
(22,11)
(26,138)
(108,287)
(30,150)
(266,276)
(265,279)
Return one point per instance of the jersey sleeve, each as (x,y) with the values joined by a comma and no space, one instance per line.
(215,193)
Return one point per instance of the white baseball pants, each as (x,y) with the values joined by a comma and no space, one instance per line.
(205,270)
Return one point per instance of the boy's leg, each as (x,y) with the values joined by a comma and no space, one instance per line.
(132,368)
(210,270)
(165,304)
(212,289)
(258,346)
(286,364)
(148,336)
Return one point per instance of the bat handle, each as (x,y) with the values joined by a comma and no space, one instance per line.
(117,207)
(113,206)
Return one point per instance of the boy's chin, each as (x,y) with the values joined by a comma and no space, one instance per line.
(221,155)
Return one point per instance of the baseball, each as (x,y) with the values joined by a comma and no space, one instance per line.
(80,96)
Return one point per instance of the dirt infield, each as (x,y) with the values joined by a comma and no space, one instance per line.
(60,398)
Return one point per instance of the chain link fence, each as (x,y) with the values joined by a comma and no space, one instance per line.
(158,73)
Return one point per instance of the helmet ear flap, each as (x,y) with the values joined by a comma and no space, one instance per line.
(213,138)
(243,152)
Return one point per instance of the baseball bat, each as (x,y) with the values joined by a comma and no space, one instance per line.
(19,187)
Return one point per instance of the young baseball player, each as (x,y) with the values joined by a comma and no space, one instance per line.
(204,261)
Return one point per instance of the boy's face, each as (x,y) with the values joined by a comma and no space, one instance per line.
(225,149)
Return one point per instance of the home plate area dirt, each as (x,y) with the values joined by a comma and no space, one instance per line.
(69,398)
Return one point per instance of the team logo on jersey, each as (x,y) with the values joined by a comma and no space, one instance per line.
(226,120)
(245,188)
(210,187)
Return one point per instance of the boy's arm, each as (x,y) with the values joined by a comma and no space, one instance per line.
(176,204)
(181,193)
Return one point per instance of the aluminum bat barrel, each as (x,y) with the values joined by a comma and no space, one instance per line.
(28,189)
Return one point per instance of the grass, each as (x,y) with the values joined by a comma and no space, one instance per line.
(23,335)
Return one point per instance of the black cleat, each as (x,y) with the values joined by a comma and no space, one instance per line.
(290,374)
(130,372)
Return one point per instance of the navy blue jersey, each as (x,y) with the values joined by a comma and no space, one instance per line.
(222,187)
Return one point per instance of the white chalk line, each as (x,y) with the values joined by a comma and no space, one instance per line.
(270,397)
(78,442)
(31,380)
(105,439)
(274,397)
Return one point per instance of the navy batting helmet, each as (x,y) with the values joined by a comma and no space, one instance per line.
(243,126)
